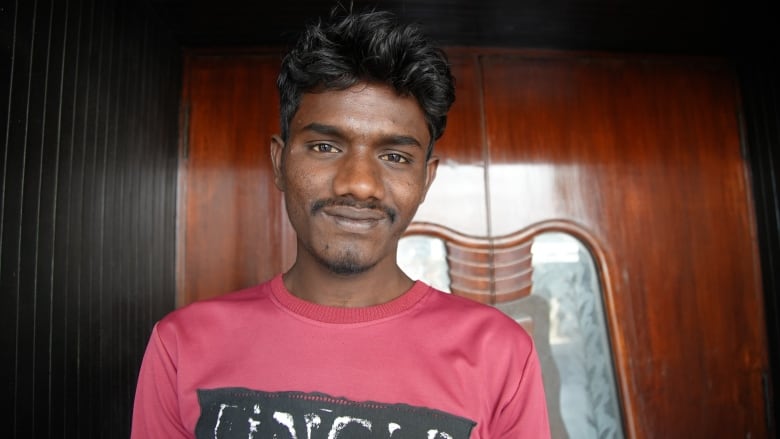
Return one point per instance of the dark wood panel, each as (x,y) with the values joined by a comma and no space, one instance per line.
(51,347)
(64,358)
(16,230)
(644,154)
(87,221)
(464,134)
(235,230)
(761,103)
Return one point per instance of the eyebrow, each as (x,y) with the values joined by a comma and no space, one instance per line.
(323,129)
(392,139)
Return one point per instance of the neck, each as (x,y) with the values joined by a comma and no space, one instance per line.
(312,282)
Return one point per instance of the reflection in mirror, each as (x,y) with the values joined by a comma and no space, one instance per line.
(425,258)
(565,315)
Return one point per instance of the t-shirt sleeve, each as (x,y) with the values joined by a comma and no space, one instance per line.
(524,415)
(156,411)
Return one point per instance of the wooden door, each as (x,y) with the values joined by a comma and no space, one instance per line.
(639,157)
(645,155)
(232,228)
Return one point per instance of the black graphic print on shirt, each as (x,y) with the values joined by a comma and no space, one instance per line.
(243,413)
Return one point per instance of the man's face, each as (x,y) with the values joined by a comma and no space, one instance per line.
(353,173)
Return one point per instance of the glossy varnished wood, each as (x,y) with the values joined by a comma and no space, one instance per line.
(457,197)
(483,268)
(644,153)
(232,224)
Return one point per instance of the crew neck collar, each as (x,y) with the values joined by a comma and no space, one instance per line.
(343,315)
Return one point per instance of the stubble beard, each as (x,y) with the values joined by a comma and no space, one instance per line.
(345,264)
(347,261)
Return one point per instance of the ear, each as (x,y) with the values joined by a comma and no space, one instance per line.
(430,174)
(277,151)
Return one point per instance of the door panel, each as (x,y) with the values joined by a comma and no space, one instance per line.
(645,155)
(232,228)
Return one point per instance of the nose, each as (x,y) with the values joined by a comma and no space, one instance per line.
(359,176)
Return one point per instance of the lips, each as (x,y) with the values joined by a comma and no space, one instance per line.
(354,219)
(355,213)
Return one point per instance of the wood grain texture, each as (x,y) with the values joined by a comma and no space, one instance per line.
(644,153)
(234,224)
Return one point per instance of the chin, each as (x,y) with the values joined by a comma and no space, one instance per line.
(347,268)
(346,264)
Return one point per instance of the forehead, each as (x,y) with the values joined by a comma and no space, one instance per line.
(363,109)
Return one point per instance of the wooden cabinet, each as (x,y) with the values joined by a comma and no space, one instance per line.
(640,154)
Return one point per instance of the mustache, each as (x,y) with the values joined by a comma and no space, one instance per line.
(349,202)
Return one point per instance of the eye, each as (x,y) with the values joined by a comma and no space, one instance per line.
(324,147)
(395,158)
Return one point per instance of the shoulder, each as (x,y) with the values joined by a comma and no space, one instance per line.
(469,308)
(492,342)
(485,322)
(216,312)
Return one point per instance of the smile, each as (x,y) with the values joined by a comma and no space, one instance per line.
(354,219)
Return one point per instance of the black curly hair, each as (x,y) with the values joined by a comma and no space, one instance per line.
(367,46)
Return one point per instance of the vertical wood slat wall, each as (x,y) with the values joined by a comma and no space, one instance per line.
(88,125)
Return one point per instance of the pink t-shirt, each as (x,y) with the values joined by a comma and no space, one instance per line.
(261,361)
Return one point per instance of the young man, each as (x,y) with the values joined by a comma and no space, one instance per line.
(344,344)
